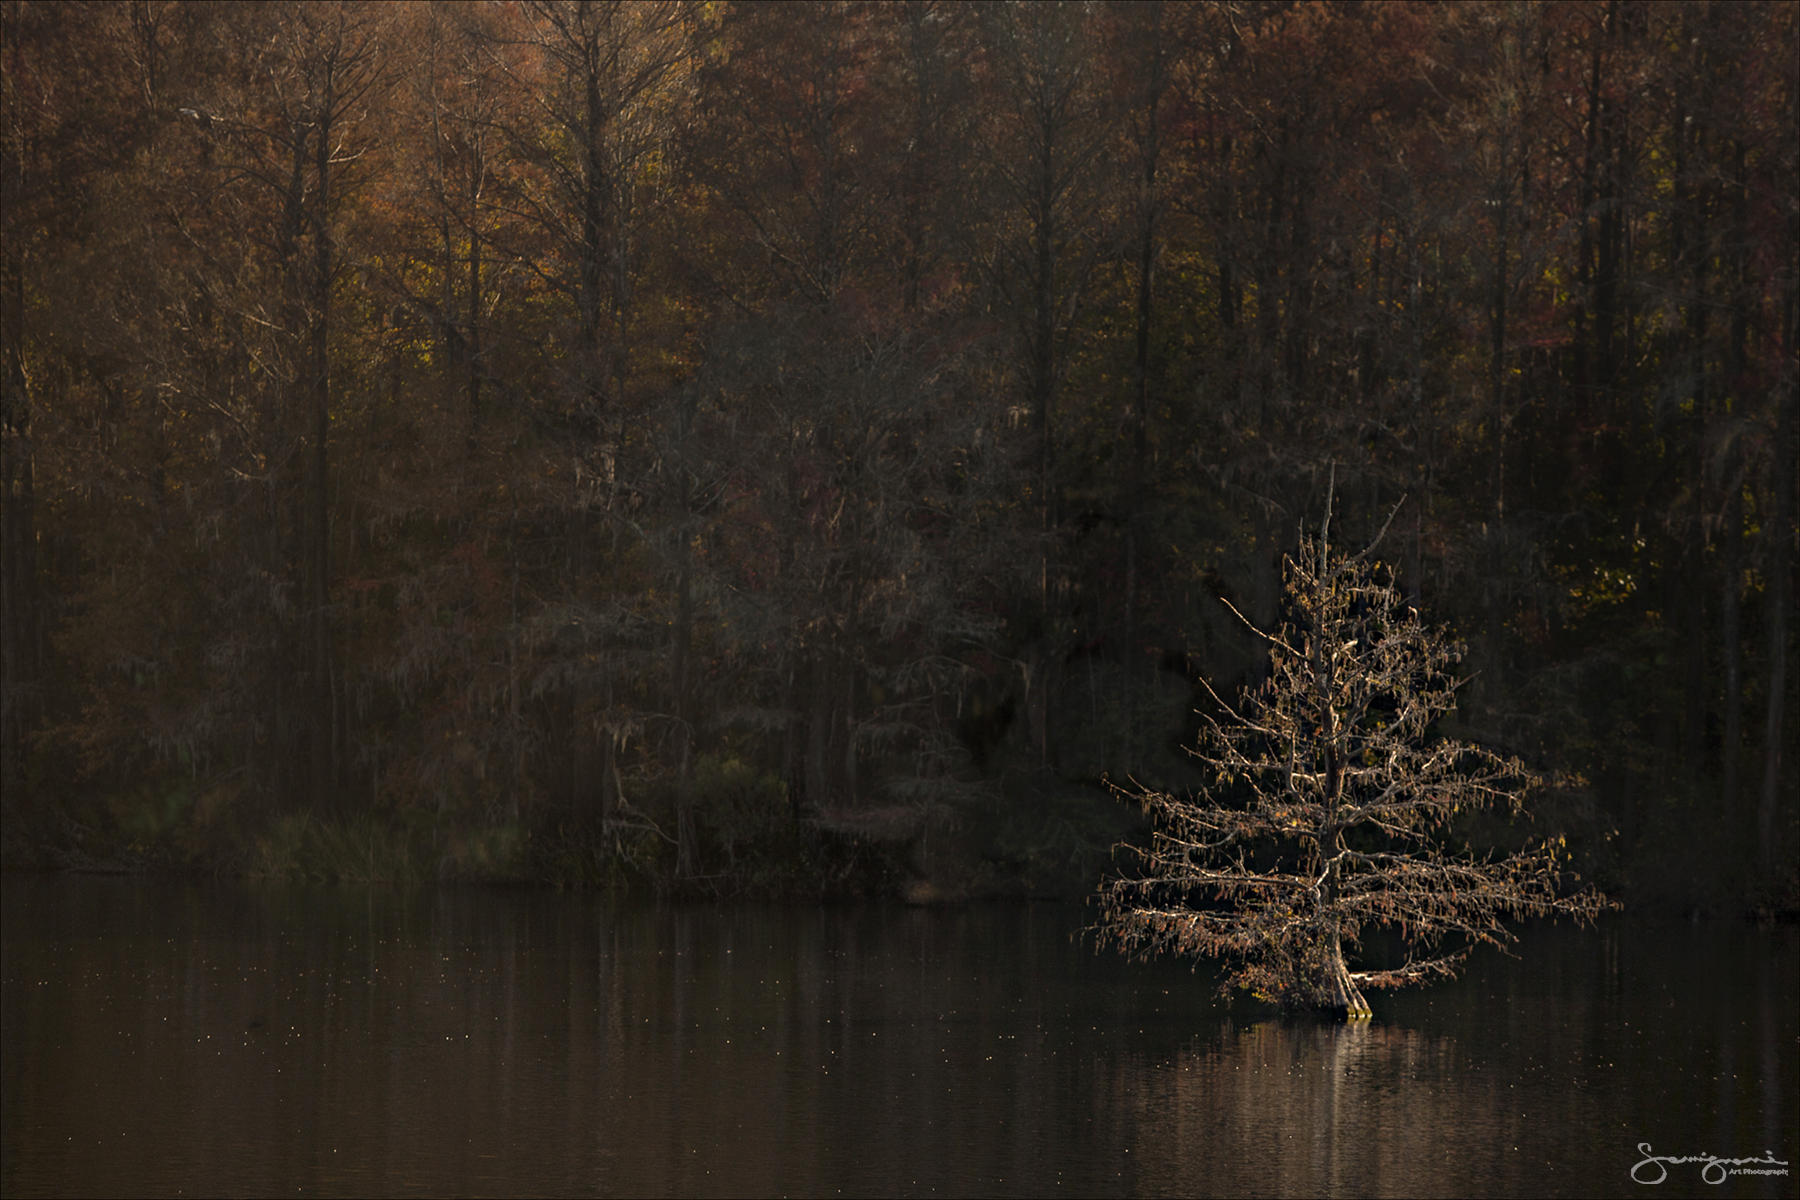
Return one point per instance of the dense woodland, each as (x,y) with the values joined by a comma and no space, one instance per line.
(801,448)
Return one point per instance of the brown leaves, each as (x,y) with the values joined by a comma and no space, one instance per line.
(1333,798)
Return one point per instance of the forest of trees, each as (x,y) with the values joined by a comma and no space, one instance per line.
(801,447)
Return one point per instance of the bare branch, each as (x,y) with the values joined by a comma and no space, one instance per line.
(1329,809)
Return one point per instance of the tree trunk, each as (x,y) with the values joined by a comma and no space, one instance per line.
(684,722)
(322,719)
(1780,602)
(1731,644)
(681,651)
(1043,386)
(21,638)
(1148,162)
(472,338)
(818,734)
(21,626)
(1337,990)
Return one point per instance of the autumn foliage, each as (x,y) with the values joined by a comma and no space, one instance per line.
(701,443)
(1330,805)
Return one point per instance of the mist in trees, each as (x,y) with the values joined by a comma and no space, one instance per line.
(800,447)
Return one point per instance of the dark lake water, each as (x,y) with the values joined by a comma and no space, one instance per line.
(173,1038)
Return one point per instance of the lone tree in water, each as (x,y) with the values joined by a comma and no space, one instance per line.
(1330,810)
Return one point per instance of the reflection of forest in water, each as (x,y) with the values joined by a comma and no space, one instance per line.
(165,1036)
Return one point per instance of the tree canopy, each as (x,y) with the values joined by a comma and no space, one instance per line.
(1331,805)
(798,446)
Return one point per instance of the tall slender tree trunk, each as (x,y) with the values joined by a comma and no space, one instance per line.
(920,59)
(323,720)
(472,338)
(1492,683)
(1780,593)
(1731,640)
(21,637)
(1731,533)
(1149,152)
(291,766)
(1697,542)
(818,732)
(1500,286)
(684,721)
(682,650)
(1043,388)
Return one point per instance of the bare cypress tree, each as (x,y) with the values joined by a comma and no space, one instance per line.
(1331,807)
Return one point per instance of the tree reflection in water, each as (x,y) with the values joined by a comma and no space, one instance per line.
(463,1041)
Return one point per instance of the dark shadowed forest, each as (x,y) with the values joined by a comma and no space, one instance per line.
(801,449)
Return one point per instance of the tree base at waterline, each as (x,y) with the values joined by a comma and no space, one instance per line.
(1341,995)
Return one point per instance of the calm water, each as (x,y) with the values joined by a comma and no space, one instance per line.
(172,1038)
